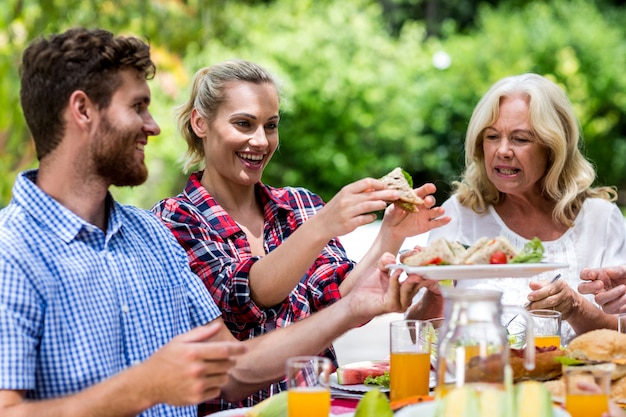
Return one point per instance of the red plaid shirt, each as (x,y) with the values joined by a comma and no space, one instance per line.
(219,254)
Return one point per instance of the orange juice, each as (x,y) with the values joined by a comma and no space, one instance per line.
(308,402)
(587,405)
(470,352)
(547,341)
(409,374)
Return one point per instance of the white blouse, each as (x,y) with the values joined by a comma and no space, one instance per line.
(597,239)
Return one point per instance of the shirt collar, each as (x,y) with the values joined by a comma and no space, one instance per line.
(272,199)
(53,215)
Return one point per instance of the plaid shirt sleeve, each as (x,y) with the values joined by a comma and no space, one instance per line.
(219,253)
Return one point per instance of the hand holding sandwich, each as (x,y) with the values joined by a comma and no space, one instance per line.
(608,285)
(410,213)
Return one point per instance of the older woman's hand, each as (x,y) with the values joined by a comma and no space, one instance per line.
(608,285)
(556,296)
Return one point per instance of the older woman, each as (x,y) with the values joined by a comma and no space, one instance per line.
(524,177)
(269,256)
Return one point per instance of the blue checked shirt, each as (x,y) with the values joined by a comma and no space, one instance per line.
(78,305)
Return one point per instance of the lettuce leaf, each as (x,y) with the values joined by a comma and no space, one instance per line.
(569,361)
(408,177)
(381,381)
(531,253)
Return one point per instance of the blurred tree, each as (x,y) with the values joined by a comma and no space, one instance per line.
(359,99)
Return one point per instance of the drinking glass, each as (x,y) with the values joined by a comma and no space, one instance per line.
(587,389)
(410,346)
(308,386)
(621,323)
(547,326)
(432,330)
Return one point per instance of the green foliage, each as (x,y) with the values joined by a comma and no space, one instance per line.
(359,99)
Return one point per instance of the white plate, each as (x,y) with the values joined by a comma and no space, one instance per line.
(361,388)
(241,411)
(365,388)
(441,272)
(230,413)
(428,410)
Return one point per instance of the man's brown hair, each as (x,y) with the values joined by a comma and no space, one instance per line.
(78,59)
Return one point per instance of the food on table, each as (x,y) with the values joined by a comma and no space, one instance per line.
(599,345)
(373,404)
(532,399)
(381,381)
(399,179)
(487,250)
(484,251)
(547,366)
(274,406)
(356,373)
(439,252)
(526,399)
(415,399)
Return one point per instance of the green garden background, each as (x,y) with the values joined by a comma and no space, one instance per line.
(368,84)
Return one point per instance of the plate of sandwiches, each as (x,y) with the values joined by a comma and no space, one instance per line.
(487,258)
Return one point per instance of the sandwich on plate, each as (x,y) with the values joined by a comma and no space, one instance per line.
(483,252)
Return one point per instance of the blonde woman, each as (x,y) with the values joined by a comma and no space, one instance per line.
(525,176)
(269,256)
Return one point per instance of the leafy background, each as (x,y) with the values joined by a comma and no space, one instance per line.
(368,84)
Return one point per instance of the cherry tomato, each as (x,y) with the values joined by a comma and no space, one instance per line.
(435,261)
(498,258)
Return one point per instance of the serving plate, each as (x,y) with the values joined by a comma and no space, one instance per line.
(427,409)
(239,412)
(457,272)
(360,388)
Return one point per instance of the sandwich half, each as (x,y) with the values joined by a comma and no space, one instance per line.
(439,252)
(400,180)
(482,252)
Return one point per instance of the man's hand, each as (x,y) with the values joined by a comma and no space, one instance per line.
(190,369)
(608,285)
(379,291)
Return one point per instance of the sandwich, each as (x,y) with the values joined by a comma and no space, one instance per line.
(547,364)
(595,346)
(482,251)
(400,180)
(601,345)
(439,252)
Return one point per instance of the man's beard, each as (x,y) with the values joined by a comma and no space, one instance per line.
(115,158)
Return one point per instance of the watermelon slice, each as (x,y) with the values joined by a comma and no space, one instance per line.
(355,373)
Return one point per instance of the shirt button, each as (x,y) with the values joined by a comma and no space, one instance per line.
(125,308)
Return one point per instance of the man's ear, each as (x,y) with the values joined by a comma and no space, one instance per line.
(198,123)
(81,108)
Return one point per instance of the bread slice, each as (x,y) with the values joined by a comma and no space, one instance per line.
(438,252)
(482,255)
(398,179)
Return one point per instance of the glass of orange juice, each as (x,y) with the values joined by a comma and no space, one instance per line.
(308,386)
(410,346)
(547,327)
(587,389)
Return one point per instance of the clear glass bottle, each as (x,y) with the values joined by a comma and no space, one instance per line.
(473,346)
